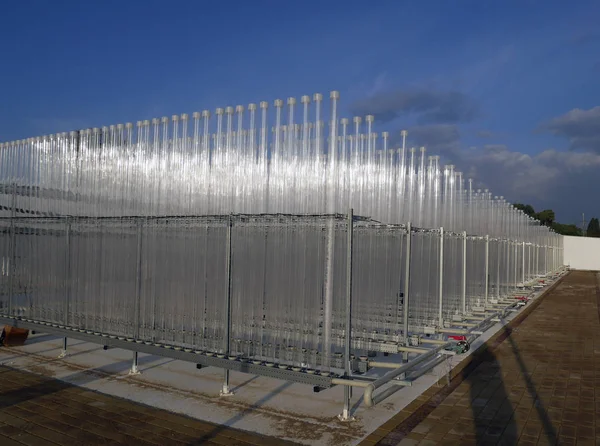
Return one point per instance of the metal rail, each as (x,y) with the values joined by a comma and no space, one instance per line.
(205,359)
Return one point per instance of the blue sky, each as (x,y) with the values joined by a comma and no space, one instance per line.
(506,90)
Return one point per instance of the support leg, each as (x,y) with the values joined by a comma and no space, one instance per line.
(404,360)
(345,415)
(134,365)
(63,353)
(225,390)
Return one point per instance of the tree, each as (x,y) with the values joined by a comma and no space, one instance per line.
(593,229)
(526,208)
(546,217)
(566,229)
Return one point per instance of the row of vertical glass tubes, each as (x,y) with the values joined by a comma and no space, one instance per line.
(124,230)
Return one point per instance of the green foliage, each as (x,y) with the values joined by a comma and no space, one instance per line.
(526,208)
(593,229)
(547,217)
(566,229)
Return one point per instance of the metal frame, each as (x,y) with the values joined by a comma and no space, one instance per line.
(345,415)
(225,390)
(197,357)
(318,381)
(205,359)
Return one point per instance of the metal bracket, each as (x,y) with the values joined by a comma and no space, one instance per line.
(225,391)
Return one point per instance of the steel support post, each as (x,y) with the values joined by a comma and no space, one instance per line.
(499,251)
(346,416)
(225,390)
(487,267)
(545,259)
(406,301)
(508,243)
(138,297)
(516,260)
(12,250)
(523,262)
(529,261)
(464,275)
(134,365)
(138,284)
(63,352)
(67,284)
(441,288)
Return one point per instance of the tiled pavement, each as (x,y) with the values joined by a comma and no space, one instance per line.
(36,410)
(536,383)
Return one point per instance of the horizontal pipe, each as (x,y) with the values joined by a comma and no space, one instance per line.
(413,350)
(469,324)
(433,341)
(349,382)
(371,400)
(385,365)
(453,330)
(423,370)
(492,316)
(381,396)
(368,395)
(168,351)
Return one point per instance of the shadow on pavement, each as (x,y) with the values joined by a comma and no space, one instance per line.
(492,410)
(229,423)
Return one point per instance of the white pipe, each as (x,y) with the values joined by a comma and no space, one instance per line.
(413,350)
(385,365)
(349,382)
(433,341)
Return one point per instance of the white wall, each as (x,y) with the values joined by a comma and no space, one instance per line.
(582,252)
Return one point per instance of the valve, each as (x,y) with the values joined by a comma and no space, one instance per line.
(459,348)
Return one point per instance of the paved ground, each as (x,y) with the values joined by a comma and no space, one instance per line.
(36,410)
(538,382)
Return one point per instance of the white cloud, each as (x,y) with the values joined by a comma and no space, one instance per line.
(429,106)
(580,127)
(560,180)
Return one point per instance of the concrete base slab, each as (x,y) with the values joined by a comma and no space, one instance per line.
(264,405)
